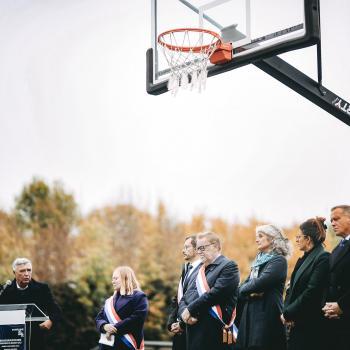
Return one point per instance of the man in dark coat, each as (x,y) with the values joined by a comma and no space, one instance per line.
(190,268)
(337,308)
(220,276)
(25,290)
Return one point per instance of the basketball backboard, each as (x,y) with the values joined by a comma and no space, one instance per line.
(257,29)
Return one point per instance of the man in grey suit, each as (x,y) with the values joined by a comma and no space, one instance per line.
(208,305)
(189,270)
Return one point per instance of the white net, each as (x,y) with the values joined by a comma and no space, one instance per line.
(187,52)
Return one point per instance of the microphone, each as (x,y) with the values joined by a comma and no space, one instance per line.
(3,287)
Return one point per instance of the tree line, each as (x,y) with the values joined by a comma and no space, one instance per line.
(76,253)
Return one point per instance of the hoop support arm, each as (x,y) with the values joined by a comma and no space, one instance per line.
(307,87)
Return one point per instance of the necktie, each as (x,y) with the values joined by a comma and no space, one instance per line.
(344,242)
(338,251)
(187,271)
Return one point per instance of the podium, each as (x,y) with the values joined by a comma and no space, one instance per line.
(13,318)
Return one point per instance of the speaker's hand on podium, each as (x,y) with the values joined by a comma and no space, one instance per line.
(46,325)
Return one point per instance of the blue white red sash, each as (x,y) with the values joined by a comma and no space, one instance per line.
(215,311)
(180,291)
(113,318)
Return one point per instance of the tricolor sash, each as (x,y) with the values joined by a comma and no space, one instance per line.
(113,318)
(229,330)
(180,291)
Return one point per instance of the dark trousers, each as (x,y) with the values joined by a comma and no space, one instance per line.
(306,338)
(337,340)
(179,341)
(35,337)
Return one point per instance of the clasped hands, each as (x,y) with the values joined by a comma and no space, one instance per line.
(187,318)
(176,328)
(110,329)
(332,310)
(288,324)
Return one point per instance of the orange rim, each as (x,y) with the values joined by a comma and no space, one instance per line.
(189,48)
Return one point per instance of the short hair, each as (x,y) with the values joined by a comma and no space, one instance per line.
(211,237)
(280,244)
(20,261)
(128,281)
(314,228)
(193,239)
(345,208)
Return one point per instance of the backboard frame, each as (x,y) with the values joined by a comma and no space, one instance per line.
(311,37)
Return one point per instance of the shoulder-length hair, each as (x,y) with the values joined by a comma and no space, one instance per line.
(279,243)
(128,280)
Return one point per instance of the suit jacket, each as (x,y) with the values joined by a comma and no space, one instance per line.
(39,294)
(223,279)
(174,304)
(179,340)
(260,325)
(132,309)
(339,286)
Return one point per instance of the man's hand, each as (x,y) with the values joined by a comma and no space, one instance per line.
(46,325)
(332,310)
(187,318)
(288,324)
(175,328)
(192,320)
(185,315)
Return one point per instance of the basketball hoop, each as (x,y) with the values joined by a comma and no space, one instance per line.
(187,51)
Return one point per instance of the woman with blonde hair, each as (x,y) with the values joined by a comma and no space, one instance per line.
(260,296)
(121,319)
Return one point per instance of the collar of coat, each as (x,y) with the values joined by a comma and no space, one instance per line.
(336,258)
(315,253)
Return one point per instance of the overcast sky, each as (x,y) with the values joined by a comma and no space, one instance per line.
(73,107)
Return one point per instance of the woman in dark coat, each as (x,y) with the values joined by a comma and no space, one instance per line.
(260,296)
(305,297)
(123,315)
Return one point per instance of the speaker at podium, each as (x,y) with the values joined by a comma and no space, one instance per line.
(14,334)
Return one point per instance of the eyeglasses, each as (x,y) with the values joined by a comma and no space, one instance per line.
(202,248)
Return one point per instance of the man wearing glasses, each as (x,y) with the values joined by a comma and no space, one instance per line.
(189,270)
(208,305)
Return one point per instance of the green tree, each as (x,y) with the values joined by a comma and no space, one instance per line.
(12,244)
(47,216)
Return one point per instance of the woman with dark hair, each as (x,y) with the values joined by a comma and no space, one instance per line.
(261,295)
(302,312)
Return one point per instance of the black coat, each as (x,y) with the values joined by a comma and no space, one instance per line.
(305,299)
(179,340)
(39,294)
(260,325)
(339,291)
(223,278)
(132,309)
